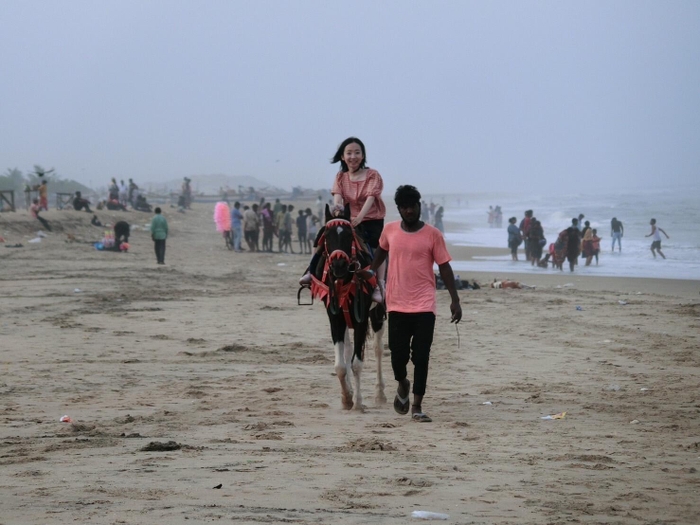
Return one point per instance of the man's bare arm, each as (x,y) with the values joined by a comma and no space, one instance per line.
(448,278)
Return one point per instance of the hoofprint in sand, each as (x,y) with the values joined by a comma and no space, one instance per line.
(212,353)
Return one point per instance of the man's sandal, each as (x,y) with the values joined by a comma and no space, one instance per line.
(402,404)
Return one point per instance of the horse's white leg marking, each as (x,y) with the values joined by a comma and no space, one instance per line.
(357,365)
(341,370)
(348,361)
(379,396)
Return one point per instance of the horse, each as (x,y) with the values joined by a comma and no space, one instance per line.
(342,282)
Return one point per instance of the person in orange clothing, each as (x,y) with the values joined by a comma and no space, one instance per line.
(44,196)
(414,247)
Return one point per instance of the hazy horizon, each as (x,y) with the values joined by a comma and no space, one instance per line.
(451,96)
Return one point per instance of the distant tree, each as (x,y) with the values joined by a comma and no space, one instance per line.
(13,179)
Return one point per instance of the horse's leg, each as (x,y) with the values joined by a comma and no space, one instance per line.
(360,335)
(339,333)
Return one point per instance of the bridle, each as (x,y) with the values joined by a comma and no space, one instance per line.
(353,263)
(340,293)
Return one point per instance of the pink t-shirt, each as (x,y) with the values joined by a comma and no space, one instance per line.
(356,193)
(410,286)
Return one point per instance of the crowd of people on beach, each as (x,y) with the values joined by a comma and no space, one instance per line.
(287,225)
(578,240)
(243,222)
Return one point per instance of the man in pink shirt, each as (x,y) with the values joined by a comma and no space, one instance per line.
(410,295)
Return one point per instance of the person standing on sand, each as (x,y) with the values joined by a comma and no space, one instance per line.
(596,245)
(133,192)
(280,228)
(251,227)
(159,232)
(302,234)
(410,295)
(514,238)
(123,194)
(656,238)
(268,227)
(525,232)
(587,246)
(573,246)
(438,219)
(44,196)
(536,240)
(616,232)
(237,226)
(288,222)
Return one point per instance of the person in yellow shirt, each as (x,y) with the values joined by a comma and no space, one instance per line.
(44,196)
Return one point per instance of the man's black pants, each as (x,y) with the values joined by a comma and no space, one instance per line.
(410,337)
(160,250)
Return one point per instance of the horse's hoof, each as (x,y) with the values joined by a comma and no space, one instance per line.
(347,404)
(360,408)
(380,399)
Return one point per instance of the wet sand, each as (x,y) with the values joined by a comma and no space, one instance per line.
(212,352)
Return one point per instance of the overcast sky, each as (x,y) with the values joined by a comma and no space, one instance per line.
(451,96)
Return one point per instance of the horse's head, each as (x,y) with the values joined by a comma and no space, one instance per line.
(339,243)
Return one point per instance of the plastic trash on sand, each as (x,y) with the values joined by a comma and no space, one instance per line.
(579,308)
(487,403)
(77,290)
(66,419)
(560,415)
(35,240)
(622,302)
(427,515)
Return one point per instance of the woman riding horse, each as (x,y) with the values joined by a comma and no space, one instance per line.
(361,188)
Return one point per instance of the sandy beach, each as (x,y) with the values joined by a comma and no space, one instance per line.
(211,352)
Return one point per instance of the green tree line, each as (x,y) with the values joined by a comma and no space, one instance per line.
(15,179)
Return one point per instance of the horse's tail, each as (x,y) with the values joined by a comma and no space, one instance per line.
(377,315)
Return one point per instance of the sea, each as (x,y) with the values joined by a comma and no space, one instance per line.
(676,210)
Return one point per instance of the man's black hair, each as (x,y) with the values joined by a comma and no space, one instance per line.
(407,196)
(157,210)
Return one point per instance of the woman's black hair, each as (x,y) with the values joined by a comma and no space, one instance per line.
(407,196)
(338,157)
